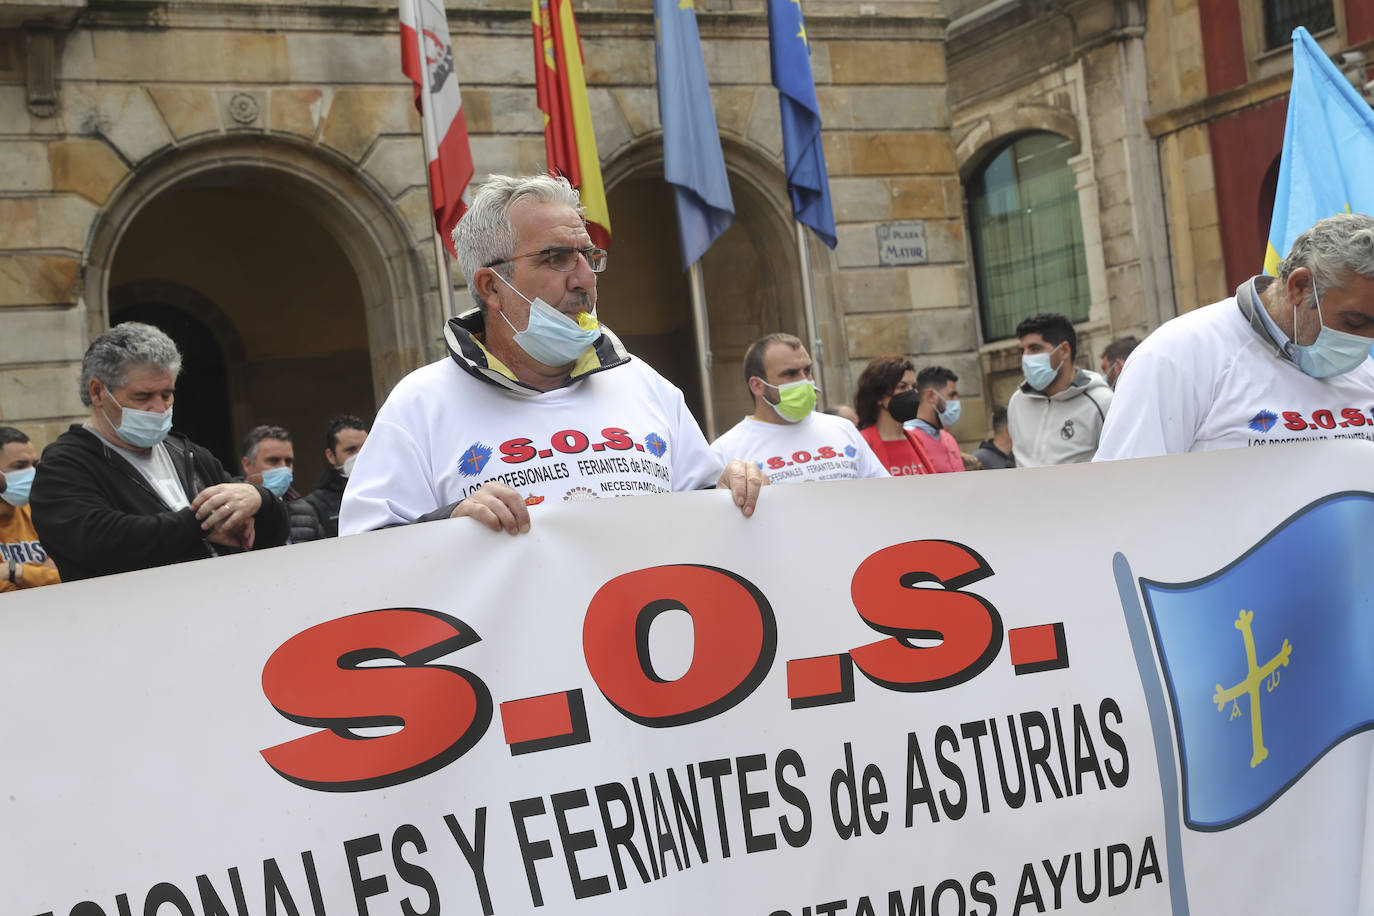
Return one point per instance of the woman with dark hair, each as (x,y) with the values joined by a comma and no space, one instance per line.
(886,398)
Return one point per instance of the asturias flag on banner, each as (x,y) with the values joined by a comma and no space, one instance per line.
(692,159)
(569,141)
(1267,662)
(427,58)
(1328,150)
(808,183)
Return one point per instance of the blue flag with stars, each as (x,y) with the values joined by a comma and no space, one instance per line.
(692,159)
(808,183)
(1267,662)
(1328,151)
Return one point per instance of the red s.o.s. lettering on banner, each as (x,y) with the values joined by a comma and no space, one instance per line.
(735,637)
(885,594)
(318,678)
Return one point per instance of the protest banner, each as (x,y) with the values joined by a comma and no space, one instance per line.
(1132,687)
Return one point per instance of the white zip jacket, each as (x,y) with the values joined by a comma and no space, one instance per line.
(1059,429)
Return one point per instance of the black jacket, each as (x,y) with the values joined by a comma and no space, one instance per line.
(326,499)
(992,457)
(305,521)
(96,515)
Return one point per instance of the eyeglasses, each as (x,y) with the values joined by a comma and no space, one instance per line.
(564,259)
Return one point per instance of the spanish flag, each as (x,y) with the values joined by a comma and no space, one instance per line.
(569,141)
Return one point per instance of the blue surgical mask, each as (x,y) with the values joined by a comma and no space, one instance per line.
(277,480)
(1333,352)
(17,486)
(551,337)
(142,428)
(1038,370)
(950,415)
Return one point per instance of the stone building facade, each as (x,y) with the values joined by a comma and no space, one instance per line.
(1076,71)
(1219,93)
(249,175)
(1172,115)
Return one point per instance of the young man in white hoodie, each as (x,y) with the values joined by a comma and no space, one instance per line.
(1056,416)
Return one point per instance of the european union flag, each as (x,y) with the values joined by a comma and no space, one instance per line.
(808,183)
(1268,661)
(692,160)
(1328,149)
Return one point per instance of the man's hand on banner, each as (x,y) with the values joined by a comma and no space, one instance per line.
(743,479)
(497,506)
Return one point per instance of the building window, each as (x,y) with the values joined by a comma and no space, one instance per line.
(1028,235)
(1281,17)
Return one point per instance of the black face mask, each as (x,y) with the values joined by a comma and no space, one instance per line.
(904,406)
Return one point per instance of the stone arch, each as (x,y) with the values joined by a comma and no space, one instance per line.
(768,298)
(985,137)
(362,221)
(129,296)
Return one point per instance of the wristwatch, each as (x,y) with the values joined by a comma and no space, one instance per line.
(13,568)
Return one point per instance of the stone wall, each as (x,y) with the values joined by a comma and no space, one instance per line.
(1178,86)
(307,99)
(1077,70)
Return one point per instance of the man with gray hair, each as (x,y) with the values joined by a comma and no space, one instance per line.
(1284,360)
(537,400)
(122,491)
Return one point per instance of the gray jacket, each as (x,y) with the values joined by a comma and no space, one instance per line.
(1058,429)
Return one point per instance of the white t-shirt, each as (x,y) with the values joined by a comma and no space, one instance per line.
(820,447)
(443,433)
(1208,380)
(156,467)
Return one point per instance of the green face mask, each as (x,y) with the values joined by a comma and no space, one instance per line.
(796,400)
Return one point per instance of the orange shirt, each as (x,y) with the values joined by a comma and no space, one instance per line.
(19,540)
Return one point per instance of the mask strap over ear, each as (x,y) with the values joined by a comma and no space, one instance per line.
(511,285)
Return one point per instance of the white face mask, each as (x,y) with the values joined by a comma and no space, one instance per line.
(346,468)
(551,337)
(1039,370)
(1333,352)
(949,414)
(141,428)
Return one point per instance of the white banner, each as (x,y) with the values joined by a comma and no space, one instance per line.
(1139,687)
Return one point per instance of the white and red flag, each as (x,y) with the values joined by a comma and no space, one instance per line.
(427,58)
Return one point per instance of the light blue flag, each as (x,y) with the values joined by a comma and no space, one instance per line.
(692,160)
(1267,662)
(1328,150)
(808,183)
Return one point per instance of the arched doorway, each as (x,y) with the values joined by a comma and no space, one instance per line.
(752,284)
(202,410)
(284,290)
(304,277)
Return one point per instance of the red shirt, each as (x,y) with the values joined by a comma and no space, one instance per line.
(902,458)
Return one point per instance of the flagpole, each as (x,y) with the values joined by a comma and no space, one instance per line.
(445,276)
(703,337)
(809,303)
